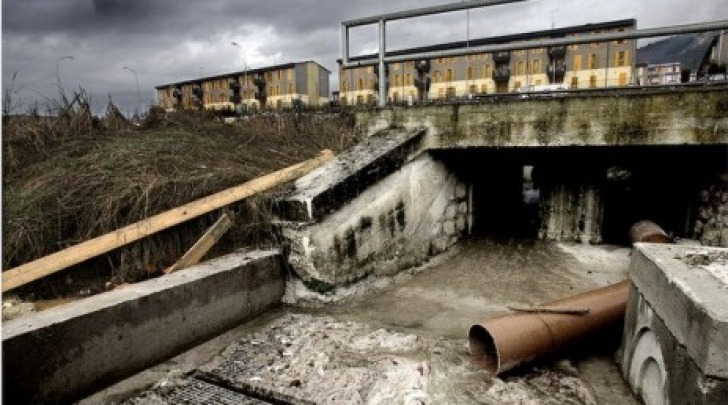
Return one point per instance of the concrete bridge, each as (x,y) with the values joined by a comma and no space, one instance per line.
(581,166)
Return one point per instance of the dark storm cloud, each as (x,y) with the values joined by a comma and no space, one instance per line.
(172,40)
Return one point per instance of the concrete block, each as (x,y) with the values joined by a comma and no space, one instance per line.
(68,352)
(692,303)
(448,227)
(461,191)
(675,340)
(451,211)
(397,216)
(461,224)
(463,209)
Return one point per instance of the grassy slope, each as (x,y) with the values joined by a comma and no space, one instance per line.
(60,188)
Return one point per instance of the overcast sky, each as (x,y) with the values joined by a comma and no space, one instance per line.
(173,40)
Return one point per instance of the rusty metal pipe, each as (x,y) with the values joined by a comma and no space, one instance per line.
(648,231)
(502,343)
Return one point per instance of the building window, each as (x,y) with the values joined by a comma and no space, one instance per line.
(623,79)
(592,81)
(344,85)
(516,85)
(620,41)
(574,82)
(537,51)
(449,75)
(370,69)
(536,66)
(359,100)
(441,92)
(622,58)
(593,61)
(395,97)
(473,89)
(291,88)
(577,62)
(520,52)
(360,84)
(451,92)
(471,72)
(484,88)
(408,82)
(395,80)
(438,77)
(488,72)
(521,68)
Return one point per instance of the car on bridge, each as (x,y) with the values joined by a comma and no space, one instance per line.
(543,90)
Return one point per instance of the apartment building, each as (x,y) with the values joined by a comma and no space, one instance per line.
(588,65)
(276,86)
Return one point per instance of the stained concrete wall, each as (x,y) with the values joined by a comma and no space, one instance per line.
(572,212)
(379,208)
(675,340)
(417,210)
(67,352)
(688,116)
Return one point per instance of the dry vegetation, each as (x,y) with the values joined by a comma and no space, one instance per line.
(73,176)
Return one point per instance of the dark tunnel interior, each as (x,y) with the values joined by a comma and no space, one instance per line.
(659,183)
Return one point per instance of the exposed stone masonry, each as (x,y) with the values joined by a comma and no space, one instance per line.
(711,225)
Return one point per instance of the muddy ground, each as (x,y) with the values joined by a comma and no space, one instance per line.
(402,339)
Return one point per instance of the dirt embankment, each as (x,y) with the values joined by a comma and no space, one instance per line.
(72,177)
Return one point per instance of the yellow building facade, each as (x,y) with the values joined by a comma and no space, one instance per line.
(279,86)
(580,66)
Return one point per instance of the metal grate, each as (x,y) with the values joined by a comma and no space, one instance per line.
(203,393)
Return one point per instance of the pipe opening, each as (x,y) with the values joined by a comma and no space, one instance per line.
(483,349)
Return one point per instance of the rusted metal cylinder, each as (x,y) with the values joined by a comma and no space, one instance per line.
(502,343)
(648,231)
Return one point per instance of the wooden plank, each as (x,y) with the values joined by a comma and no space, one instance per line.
(55,262)
(551,310)
(203,245)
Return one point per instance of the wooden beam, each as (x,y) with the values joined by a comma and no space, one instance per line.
(203,245)
(55,262)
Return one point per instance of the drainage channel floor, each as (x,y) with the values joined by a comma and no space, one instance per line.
(404,342)
(193,391)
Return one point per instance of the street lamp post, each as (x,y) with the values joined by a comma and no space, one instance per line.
(136,77)
(245,68)
(58,71)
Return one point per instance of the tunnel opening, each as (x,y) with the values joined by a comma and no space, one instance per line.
(587,194)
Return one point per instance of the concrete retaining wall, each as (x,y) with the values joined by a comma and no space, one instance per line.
(418,210)
(675,341)
(67,352)
(686,116)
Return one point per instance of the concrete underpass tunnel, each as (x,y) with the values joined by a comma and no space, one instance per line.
(588,194)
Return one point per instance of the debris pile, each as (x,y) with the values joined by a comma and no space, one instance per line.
(310,359)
